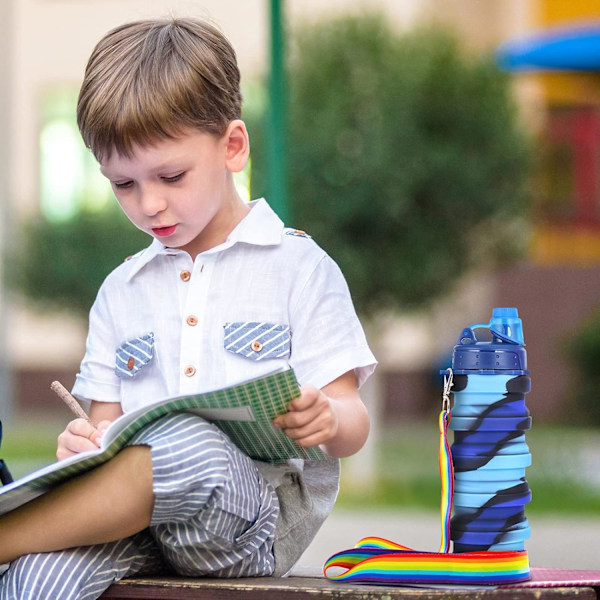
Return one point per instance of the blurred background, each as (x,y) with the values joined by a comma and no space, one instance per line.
(446,153)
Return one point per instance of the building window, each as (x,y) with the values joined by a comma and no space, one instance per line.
(570,190)
(70,179)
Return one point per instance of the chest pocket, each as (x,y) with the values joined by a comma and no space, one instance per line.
(134,355)
(257,340)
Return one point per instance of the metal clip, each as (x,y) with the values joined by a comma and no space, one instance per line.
(448,383)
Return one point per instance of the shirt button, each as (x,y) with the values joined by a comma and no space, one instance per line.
(192,321)
(256,346)
(185,275)
(189,371)
(131,363)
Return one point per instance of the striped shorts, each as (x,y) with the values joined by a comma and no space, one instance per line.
(214,515)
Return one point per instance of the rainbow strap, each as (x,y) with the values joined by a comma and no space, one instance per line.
(447,480)
(376,560)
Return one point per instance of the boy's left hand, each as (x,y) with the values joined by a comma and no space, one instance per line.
(311,419)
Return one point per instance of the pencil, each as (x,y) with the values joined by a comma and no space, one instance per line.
(69,400)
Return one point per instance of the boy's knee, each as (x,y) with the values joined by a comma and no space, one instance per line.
(179,431)
(184,444)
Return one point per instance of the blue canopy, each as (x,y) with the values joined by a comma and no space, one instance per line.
(576,48)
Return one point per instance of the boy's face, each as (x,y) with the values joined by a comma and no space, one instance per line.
(179,190)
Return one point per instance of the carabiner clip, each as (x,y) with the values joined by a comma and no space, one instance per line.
(448,383)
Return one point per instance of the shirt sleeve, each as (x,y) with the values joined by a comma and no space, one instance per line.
(327,337)
(96,379)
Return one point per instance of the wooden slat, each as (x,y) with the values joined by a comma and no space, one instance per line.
(304,588)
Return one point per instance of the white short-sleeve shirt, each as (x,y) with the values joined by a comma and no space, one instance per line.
(165,325)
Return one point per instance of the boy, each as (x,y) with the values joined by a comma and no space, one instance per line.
(223,293)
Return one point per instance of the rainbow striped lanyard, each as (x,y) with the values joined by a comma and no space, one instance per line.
(376,560)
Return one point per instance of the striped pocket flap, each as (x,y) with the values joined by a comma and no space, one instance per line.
(134,355)
(257,340)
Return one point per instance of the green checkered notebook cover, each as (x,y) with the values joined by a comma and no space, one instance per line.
(244,412)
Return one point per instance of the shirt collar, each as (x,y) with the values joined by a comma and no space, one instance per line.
(260,227)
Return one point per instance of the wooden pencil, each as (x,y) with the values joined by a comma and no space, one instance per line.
(69,400)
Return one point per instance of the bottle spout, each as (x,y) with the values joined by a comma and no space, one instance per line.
(506,324)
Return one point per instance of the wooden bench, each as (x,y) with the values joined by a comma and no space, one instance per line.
(317,588)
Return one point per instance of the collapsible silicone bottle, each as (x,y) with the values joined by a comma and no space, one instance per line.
(489,420)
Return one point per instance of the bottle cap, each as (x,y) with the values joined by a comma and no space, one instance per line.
(504,353)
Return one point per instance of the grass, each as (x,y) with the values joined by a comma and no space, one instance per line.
(30,444)
(562,477)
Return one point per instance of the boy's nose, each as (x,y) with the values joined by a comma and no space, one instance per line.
(152,203)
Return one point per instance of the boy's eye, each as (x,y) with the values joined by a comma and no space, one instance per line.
(173,178)
(121,185)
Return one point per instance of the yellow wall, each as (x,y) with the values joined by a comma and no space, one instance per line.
(569,88)
(554,12)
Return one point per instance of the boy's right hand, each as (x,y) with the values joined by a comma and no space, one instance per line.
(80,436)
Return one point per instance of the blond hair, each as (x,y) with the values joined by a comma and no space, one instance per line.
(151,79)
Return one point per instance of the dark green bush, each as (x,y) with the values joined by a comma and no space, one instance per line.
(583,351)
(63,264)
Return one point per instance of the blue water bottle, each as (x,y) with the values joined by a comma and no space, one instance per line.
(489,453)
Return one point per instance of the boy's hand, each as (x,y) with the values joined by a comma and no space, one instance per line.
(334,417)
(80,436)
(311,419)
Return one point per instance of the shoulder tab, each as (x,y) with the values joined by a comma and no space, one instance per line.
(297,233)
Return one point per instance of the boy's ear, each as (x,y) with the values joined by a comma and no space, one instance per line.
(237,148)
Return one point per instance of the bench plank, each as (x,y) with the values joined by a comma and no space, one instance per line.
(307,588)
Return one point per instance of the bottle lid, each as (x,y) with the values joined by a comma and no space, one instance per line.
(505,351)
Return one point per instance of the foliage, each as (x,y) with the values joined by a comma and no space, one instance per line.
(406,160)
(583,351)
(63,264)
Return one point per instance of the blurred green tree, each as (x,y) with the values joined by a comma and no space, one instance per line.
(406,157)
(62,264)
